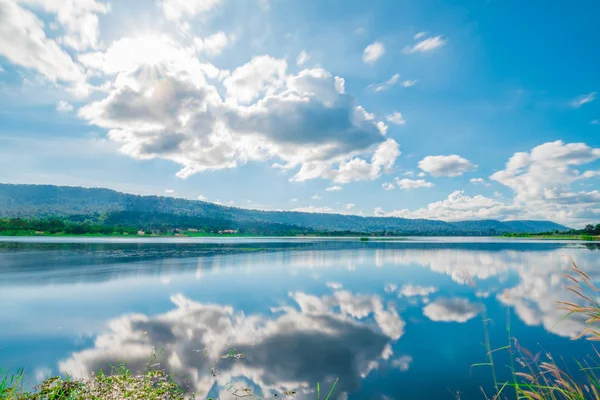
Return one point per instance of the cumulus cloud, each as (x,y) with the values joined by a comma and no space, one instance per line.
(583,99)
(453,309)
(426,45)
(388,186)
(349,206)
(303,57)
(64,106)
(279,350)
(409,290)
(373,52)
(79,20)
(395,118)
(23,42)
(451,165)
(186,9)
(247,82)
(333,189)
(315,209)
(478,181)
(334,285)
(457,207)
(541,181)
(162,104)
(212,45)
(413,183)
(316,197)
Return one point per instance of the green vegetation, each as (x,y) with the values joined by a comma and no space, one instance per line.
(149,225)
(539,376)
(590,232)
(121,383)
(111,208)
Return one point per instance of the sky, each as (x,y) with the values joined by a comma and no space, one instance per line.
(473,109)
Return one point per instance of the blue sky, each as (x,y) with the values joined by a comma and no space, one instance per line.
(419,109)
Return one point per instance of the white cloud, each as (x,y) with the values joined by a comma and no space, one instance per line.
(314,209)
(316,197)
(250,80)
(78,18)
(583,99)
(395,118)
(413,183)
(541,181)
(333,189)
(64,106)
(202,198)
(426,45)
(349,206)
(453,309)
(303,57)
(409,83)
(479,181)
(409,290)
(373,52)
(161,105)
(387,186)
(293,200)
(457,207)
(379,87)
(187,9)
(212,45)
(420,35)
(334,285)
(23,42)
(390,287)
(451,165)
(169,191)
(402,363)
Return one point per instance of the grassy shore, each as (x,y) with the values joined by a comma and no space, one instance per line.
(553,237)
(153,384)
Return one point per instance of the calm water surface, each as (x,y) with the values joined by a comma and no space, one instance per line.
(391,320)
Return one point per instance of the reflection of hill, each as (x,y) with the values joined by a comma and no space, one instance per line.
(35,263)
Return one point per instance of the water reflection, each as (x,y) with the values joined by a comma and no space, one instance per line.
(288,350)
(378,316)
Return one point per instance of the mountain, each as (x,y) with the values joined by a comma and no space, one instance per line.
(111,207)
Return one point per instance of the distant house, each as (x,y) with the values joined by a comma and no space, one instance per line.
(141,233)
(227,231)
(192,230)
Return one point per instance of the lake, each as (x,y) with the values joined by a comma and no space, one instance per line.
(390,319)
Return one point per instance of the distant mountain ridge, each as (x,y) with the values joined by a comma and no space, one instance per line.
(43,201)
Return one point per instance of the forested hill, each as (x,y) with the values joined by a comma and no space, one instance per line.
(109,206)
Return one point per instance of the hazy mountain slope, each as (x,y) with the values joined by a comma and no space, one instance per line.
(47,200)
